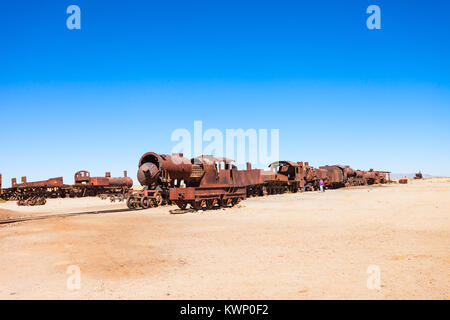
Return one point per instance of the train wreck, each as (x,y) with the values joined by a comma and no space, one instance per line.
(35,193)
(202,183)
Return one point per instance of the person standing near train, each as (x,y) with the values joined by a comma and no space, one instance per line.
(321,185)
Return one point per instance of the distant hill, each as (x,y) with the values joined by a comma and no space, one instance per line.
(409,175)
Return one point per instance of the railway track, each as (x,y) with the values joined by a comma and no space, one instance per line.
(61,215)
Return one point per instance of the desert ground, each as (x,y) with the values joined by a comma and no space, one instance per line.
(294,246)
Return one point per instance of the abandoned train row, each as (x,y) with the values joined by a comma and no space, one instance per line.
(35,193)
(202,182)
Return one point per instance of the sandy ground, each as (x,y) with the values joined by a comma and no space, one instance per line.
(294,246)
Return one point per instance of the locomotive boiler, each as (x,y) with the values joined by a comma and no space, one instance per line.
(157,173)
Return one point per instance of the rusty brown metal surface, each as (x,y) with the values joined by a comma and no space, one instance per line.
(83,177)
(53,182)
(35,193)
(289,176)
(154,167)
(32,193)
(335,176)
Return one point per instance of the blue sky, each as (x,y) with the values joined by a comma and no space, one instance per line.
(99,97)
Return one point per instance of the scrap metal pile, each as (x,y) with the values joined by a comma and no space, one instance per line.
(36,193)
(206,182)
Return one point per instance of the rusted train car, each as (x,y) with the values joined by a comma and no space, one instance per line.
(35,193)
(338,176)
(286,176)
(217,183)
(85,185)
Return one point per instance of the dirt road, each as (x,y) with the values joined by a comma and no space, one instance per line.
(295,246)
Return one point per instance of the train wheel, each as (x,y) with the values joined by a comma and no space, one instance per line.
(181,204)
(226,202)
(158,199)
(210,204)
(145,202)
(261,192)
(197,205)
(132,203)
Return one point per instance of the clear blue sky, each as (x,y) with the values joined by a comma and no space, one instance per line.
(99,97)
